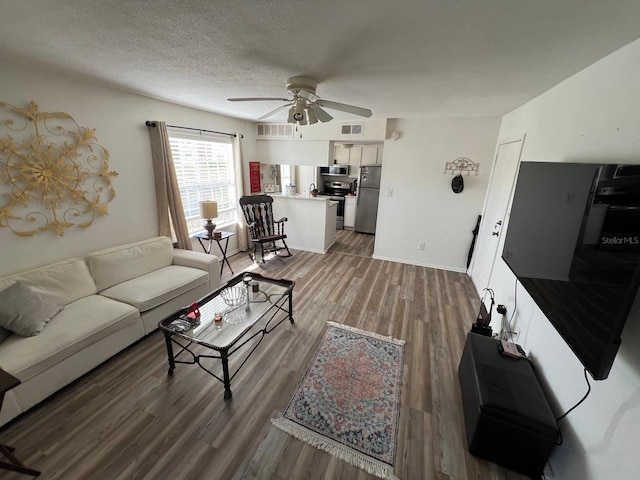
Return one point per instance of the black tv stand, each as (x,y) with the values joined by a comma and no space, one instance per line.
(507,417)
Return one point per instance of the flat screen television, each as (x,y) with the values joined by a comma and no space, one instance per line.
(573,242)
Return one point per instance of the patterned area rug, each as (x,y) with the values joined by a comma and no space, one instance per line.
(348,401)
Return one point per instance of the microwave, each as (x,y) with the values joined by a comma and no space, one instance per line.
(335,170)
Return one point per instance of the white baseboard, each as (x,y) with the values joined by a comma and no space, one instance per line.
(428,265)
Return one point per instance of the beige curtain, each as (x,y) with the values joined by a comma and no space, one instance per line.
(171,220)
(237,165)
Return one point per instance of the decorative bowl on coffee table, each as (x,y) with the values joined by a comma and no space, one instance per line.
(234,296)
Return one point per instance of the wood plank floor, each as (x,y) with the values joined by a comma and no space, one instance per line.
(127,419)
(350,243)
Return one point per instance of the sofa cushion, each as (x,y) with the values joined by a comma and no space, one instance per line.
(24,312)
(4,334)
(62,282)
(80,324)
(118,264)
(148,291)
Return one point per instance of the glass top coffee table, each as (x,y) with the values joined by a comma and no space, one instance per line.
(267,307)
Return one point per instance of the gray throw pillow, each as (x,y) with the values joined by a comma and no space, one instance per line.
(23,311)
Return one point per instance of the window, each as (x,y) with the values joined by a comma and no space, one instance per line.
(204,167)
(285,177)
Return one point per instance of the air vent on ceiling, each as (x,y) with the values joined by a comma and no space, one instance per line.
(352,129)
(275,130)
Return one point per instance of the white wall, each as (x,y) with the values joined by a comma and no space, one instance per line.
(310,144)
(118,119)
(374,130)
(591,117)
(293,152)
(414,165)
(423,208)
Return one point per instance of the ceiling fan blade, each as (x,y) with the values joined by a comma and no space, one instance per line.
(322,115)
(307,95)
(273,112)
(343,107)
(258,99)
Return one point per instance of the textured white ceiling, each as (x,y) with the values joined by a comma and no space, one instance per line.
(399,58)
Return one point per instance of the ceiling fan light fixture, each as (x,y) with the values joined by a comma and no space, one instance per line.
(298,114)
(292,111)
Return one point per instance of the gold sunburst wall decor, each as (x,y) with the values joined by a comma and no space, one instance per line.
(55,173)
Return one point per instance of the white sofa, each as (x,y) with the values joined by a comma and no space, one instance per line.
(111,299)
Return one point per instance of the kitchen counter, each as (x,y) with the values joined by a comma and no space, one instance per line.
(311,224)
(299,196)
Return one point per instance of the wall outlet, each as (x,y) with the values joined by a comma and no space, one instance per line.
(513,335)
(389,192)
(421,246)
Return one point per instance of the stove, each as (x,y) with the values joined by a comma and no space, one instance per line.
(337,191)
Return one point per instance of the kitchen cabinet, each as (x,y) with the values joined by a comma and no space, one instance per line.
(341,155)
(348,156)
(355,157)
(358,155)
(369,155)
(349,212)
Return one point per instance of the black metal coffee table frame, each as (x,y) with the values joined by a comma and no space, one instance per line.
(184,341)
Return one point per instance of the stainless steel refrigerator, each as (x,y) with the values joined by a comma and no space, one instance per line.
(367,199)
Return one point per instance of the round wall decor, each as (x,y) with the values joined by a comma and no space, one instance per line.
(54,175)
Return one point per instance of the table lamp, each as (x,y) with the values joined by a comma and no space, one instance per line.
(208,211)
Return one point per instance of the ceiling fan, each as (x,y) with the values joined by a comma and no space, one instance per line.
(305,107)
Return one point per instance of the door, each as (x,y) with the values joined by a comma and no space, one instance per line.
(490,233)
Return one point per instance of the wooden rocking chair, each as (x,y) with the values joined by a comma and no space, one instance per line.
(264,230)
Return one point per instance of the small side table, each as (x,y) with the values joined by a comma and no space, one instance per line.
(7,382)
(207,249)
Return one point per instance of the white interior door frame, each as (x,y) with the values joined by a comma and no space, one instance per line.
(494,212)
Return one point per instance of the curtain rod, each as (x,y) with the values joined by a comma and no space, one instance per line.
(149,123)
